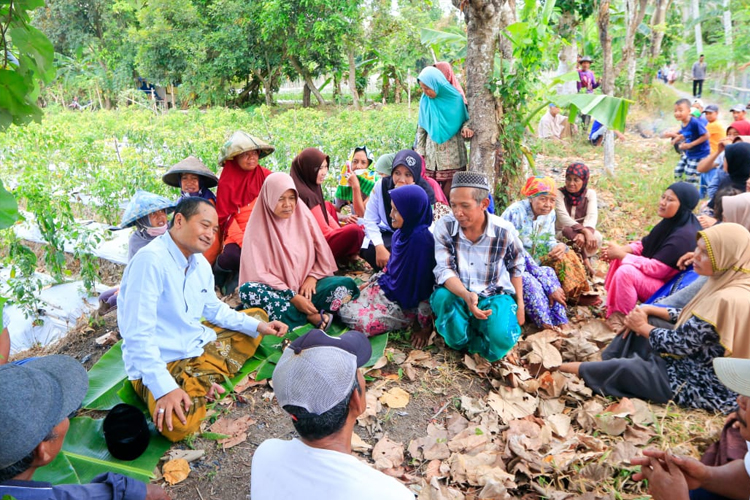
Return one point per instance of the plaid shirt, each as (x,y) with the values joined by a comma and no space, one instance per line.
(484,267)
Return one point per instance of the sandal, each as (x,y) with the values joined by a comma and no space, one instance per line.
(325,325)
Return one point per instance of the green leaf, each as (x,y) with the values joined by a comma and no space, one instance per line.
(611,111)
(32,43)
(8,208)
(378,344)
(106,379)
(84,456)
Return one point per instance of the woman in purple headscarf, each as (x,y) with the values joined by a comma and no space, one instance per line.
(398,297)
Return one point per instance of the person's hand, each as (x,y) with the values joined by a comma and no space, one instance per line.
(276,328)
(381,256)
(706,221)
(665,480)
(352,219)
(683,146)
(694,472)
(156,492)
(557,296)
(303,304)
(637,321)
(580,240)
(353,180)
(590,239)
(169,404)
(467,133)
(308,288)
(557,252)
(614,252)
(685,260)
(521,313)
(723,143)
(472,300)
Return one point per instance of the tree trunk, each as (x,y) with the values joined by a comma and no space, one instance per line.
(306,96)
(483,25)
(568,55)
(353,79)
(608,78)
(731,78)
(386,87)
(336,86)
(635,11)
(695,4)
(308,80)
(658,19)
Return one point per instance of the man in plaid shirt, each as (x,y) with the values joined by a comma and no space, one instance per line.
(479,301)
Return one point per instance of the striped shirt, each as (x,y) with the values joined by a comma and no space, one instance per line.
(484,267)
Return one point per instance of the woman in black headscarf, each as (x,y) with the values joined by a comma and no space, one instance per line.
(639,269)
(406,170)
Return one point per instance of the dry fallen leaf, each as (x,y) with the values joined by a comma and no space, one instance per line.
(236,429)
(395,398)
(176,471)
(512,404)
(188,455)
(358,444)
(477,364)
(387,454)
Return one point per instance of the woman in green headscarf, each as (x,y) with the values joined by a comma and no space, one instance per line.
(443,121)
(356,181)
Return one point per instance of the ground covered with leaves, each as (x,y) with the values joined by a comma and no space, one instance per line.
(452,426)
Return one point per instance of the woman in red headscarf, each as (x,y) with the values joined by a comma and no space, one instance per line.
(309,170)
(239,187)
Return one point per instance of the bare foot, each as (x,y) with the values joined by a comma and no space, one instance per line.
(215,391)
(573,368)
(419,338)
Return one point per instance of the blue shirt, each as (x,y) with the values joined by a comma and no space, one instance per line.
(162,298)
(692,131)
(107,486)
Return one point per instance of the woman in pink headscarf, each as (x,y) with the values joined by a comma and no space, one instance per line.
(447,70)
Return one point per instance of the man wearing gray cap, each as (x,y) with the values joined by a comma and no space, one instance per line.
(318,383)
(739,112)
(478,305)
(671,477)
(40,396)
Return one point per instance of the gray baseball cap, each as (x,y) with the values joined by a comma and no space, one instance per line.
(738,107)
(711,108)
(37,397)
(317,371)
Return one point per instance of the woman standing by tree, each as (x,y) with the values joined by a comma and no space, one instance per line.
(442,128)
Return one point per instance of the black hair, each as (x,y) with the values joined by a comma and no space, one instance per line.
(680,102)
(24,464)
(315,427)
(719,201)
(190,206)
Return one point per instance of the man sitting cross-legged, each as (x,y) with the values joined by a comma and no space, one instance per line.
(318,383)
(173,360)
(38,399)
(478,305)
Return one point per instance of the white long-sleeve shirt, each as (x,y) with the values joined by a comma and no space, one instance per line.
(162,298)
(375,218)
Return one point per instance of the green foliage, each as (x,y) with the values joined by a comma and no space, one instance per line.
(8,208)
(84,456)
(26,58)
(106,378)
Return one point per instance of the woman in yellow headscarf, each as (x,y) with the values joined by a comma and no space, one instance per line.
(660,364)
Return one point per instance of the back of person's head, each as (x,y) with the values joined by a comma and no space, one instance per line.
(316,378)
(187,207)
(719,200)
(40,395)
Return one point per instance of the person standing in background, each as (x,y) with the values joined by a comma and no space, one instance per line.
(699,74)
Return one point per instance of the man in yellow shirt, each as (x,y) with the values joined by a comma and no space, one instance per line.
(716,130)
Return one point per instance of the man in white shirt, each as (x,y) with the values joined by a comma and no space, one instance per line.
(318,383)
(670,477)
(554,125)
(172,359)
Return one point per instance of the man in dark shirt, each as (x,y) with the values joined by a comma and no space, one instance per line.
(41,395)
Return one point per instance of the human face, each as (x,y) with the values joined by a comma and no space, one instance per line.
(190,183)
(197,234)
(669,204)
(744,405)
(732,132)
(711,116)
(468,213)
(402,176)
(573,183)
(701,261)
(682,112)
(360,161)
(247,160)
(738,115)
(427,91)
(322,172)
(554,110)
(286,204)
(585,65)
(396,220)
(158,218)
(543,204)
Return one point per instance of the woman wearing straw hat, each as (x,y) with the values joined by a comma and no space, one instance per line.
(239,186)
(193,178)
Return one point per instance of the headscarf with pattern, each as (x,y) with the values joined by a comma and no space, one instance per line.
(536,186)
(582,172)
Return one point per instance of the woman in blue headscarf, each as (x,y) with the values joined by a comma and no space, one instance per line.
(442,128)
(398,297)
